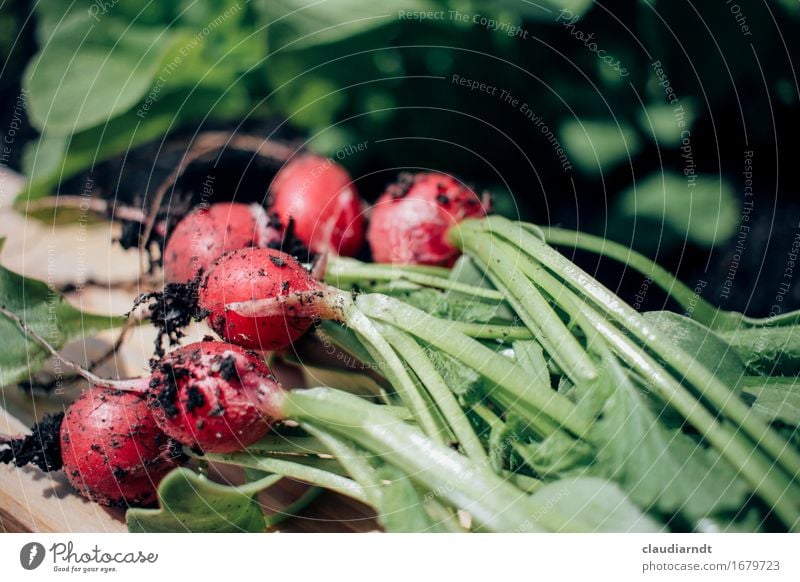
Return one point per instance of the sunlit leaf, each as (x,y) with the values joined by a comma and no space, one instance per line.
(700,208)
(189,502)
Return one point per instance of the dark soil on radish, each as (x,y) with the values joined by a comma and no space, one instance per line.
(213,397)
(107,444)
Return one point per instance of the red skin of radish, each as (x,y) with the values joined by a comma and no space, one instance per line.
(209,232)
(321,199)
(248,274)
(410,221)
(213,396)
(112,449)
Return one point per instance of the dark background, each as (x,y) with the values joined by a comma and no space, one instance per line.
(339,73)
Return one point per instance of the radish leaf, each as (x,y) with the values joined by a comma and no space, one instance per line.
(777,398)
(593,505)
(191,503)
(660,468)
(401,508)
(710,350)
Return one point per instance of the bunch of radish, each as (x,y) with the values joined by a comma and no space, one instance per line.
(121,437)
(314,200)
(534,321)
(118,440)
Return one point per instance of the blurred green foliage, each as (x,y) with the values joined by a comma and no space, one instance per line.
(558,132)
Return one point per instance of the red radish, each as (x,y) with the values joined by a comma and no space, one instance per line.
(112,449)
(213,396)
(107,444)
(255,273)
(320,199)
(410,221)
(209,232)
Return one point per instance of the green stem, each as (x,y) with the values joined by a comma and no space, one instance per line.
(509,377)
(477,330)
(364,474)
(258,486)
(310,475)
(696,307)
(443,516)
(418,360)
(493,331)
(294,508)
(694,373)
(271,445)
(352,460)
(393,369)
(491,500)
(343,264)
(348,270)
(532,308)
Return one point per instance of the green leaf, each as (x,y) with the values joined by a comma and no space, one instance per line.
(701,208)
(461,379)
(666,124)
(53,158)
(541,9)
(598,146)
(191,503)
(44,158)
(660,468)
(89,72)
(401,509)
(453,305)
(772,351)
(557,455)
(51,15)
(302,25)
(777,398)
(530,356)
(593,505)
(465,271)
(709,350)
(46,313)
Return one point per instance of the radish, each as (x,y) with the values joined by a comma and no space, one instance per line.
(319,198)
(112,449)
(213,396)
(209,232)
(411,220)
(108,445)
(247,273)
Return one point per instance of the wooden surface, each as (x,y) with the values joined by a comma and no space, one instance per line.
(34,501)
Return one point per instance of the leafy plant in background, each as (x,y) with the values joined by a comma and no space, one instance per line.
(107,79)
